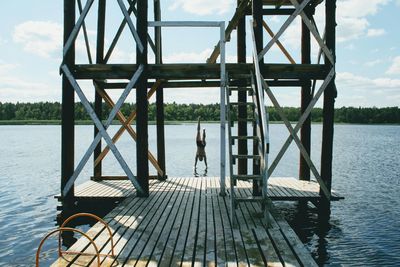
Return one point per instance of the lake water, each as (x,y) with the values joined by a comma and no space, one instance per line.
(364,229)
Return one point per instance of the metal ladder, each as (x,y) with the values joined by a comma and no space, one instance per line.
(261,157)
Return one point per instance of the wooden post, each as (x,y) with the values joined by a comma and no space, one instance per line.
(141,102)
(257,7)
(159,96)
(306,97)
(67,114)
(328,111)
(98,102)
(242,95)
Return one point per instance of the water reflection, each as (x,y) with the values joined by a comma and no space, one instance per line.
(313,230)
(200,173)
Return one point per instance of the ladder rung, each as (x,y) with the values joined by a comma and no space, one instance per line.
(247,177)
(242,103)
(246,156)
(235,88)
(244,137)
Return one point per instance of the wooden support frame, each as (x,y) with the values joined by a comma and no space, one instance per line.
(131,26)
(114,42)
(242,95)
(329,109)
(98,103)
(102,128)
(67,112)
(125,125)
(293,131)
(278,43)
(223,83)
(306,97)
(142,142)
(160,116)
(74,33)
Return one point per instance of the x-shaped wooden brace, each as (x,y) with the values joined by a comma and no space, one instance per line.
(120,30)
(126,125)
(71,39)
(77,27)
(278,43)
(131,26)
(102,128)
(299,10)
(293,131)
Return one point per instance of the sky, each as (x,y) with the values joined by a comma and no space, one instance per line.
(368,49)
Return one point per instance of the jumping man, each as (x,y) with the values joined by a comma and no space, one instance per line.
(201,144)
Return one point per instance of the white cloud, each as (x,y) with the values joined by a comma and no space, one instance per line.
(395,67)
(350,80)
(350,28)
(41,38)
(14,87)
(188,57)
(398,2)
(359,8)
(373,63)
(351,17)
(357,90)
(375,32)
(203,7)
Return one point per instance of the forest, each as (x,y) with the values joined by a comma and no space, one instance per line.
(51,111)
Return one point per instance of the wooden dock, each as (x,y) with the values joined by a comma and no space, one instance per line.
(184,222)
(280,188)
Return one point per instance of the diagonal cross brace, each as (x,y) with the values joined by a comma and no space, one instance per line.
(296,139)
(121,28)
(285,25)
(279,44)
(102,129)
(314,31)
(85,34)
(126,126)
(302,119)
(77,27)
(131,26)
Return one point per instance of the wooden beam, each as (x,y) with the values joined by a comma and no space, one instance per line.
(142,162)
(278,12)
(159,95)
(242,95)
(204,83)
(257,7)
(329,109)
(98,103)
(306,97)
(67,112)
(200,71)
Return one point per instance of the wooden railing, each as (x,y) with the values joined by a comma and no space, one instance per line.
(262,119)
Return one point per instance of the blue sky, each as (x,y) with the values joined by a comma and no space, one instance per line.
(368,49)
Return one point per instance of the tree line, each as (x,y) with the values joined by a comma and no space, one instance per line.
(190,112)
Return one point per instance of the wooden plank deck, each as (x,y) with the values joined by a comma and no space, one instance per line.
(184,222)
(280,188)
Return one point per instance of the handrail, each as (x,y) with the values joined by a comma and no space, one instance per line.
(60,230)
(91,216)
(263,116)
(228,115)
